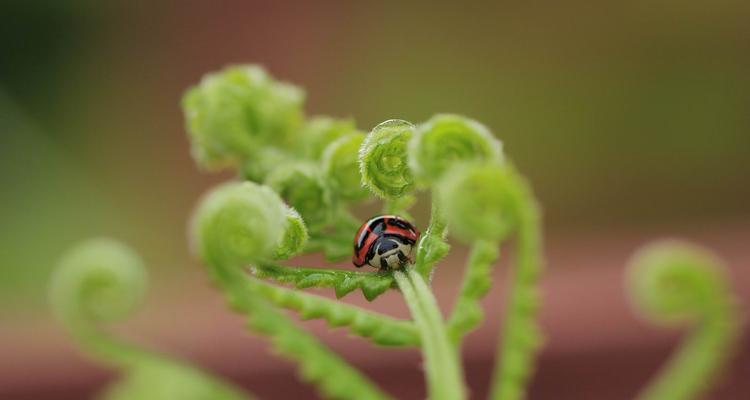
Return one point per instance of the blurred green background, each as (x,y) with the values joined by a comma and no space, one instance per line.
(623,114)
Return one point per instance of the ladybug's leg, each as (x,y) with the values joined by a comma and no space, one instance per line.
(402,257)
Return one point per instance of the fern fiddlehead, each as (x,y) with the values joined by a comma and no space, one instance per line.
(234,113)
(100,281)
(383,159)
(677,283)
(231,231)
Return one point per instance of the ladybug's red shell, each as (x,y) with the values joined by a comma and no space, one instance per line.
(384,242)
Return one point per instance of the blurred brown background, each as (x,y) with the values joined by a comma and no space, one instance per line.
(632,119)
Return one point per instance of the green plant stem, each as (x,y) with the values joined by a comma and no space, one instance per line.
(689,372)
(443,371)
(432,246)
(381,329)
(372,284)
(521,335)
(467,312)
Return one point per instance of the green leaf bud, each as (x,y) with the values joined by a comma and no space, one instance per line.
(383,159)
(233,112)
(265,160)
(341,167)
(239,223)
(319,132)
(448,139)
(479,201)
(301,186)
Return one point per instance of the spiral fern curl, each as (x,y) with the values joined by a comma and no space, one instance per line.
(231,231)
(100,281)
(383,159)
(677,283)
(445,140)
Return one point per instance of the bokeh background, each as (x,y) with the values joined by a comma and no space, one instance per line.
(632,120)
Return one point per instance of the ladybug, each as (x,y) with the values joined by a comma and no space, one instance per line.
(384,242)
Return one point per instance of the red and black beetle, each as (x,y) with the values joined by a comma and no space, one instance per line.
(384,242)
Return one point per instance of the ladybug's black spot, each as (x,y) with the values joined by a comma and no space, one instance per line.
(400,238)
(386,245)
(401,224)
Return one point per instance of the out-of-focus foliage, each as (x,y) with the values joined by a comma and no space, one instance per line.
(674,282)
(101,281)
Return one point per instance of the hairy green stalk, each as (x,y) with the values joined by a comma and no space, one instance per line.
(467,312)
(521,336)
(381,329)
(444,374)
(432,246)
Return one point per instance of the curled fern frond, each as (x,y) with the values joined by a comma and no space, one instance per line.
(233,112)
(381,329)
(228,227)
(102,280)
(673,282)
(448,139)
(239,223)
(480,201)
(340,166)
(295,236)
(321,131)
(301,185)
(383,159)
(372,284)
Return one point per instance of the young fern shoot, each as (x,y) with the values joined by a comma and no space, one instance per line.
(299,179)
(100,281)
(677,283)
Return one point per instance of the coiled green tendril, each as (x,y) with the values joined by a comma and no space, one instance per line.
(479,201)
(383,160)
(448,139)
(677,283)
(100,281)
